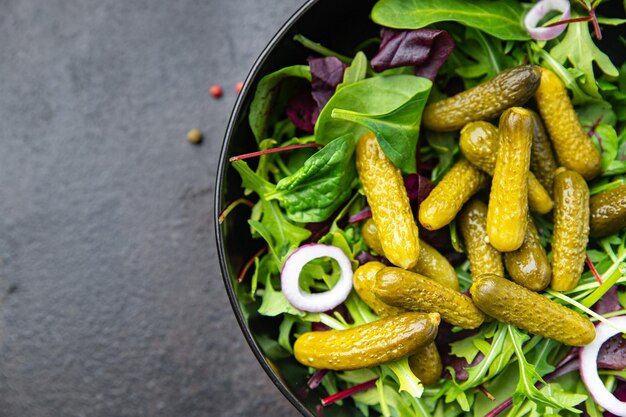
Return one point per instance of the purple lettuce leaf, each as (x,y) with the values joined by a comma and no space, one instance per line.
(364,214)
(608,303)
(459,365)
(417,187)
(326,75)
(303,111)
(364,257)
(304,108)
(424,49)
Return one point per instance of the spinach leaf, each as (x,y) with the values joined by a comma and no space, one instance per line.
(356,71)
(502,19)
(390,106)
(578,48)
(321,185)
(266,95)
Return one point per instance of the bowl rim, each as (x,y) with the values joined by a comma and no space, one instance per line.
(221,170)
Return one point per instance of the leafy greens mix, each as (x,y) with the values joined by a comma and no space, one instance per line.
(309,195)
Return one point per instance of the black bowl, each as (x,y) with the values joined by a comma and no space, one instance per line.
(341,26)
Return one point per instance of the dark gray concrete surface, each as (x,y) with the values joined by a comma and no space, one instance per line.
(111,299)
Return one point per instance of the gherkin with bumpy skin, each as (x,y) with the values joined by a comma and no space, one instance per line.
(571,229)
(528,266)
(444,202)
(511,87)
(410,290)
(542,162)
(363,281)
(387,197)
(425,362)
(574,149)
(367,345)
(430,263)
(511,303)
(608,212)
(508,200)
(483,258)
(479,143)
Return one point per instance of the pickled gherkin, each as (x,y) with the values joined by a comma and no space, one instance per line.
(444,202)
(425,362)
(483,258)
(511,87)
(511,303)
(574,149)
(479,143)
(608,212)
(430,263)
(370,344)
(413,291)
(387,197)
(571,229)
(508,201)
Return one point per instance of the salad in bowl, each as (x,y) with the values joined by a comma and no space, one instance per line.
(431,221)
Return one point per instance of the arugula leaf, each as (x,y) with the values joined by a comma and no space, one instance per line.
(528,375)
(281,235)
(391,106)
(251,180)
(566,75)
(266,95)
(406,378)
(486,56)
(578,48)
(321,185)
(275,303)
(501,19)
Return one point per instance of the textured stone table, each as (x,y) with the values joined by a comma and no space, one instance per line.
(111,299)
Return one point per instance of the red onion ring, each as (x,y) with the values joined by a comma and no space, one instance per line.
(589,368)
(318,302)
(539,11)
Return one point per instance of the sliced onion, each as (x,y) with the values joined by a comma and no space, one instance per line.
(319,302)
(589,368)
(539,11)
